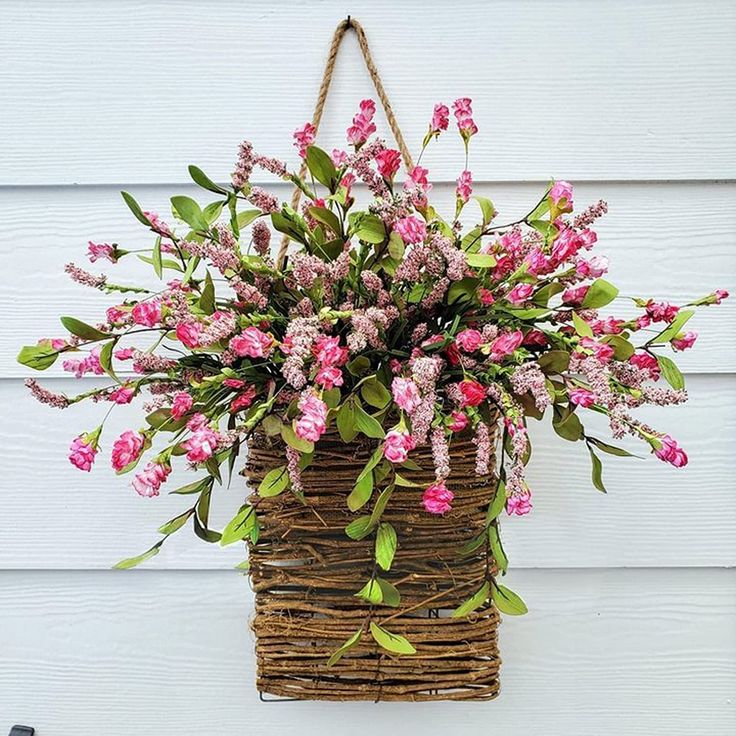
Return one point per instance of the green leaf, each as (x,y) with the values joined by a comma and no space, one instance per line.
(38,357)
(391,642)
(390,593)
(194,487)
(82,329)
(675,326)
(367,424)
(133,561)
(188,210)
(596,470)
(207,299)
(555,361)
(176,523)
(671,372)
(289,436)
(332,397)
(199,177)
(581,326)
(344,648)
(359,528)
(507,601)
(346,425)
(274,482)
(386,542)
(396,246)
(600,293)
(192,264)
(371,592)
(474,602)
(326,217)
(381,503)
(375,393)
(370,229)
(486,208)
(213,211)
(246,217)
(622,348)
(405,482)
(135,209)
(358,366)
(569,427)
(361,493)
(320,165)
(480,260)
(106,359)
(610,449)
(497,550)
(156,258)
(272,425)
(498,504)
(463,290)
(240,526)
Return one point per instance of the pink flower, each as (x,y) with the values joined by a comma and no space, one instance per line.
(519,504)
(684,341)
(114,314)
(304,137)
(464,186)
(201,445)
(328,352)
(561,195)
(464,116)
(473,393)
(89,364)
(388,162)
(82,452)
(671,453)
(56,343)
(411,229)
(181,404)
(197,422)
(189,333)
(233,383)
(505,344)
(100,250)
(339,158)
(124,353)
(397,445)
(440,119)
(661,311)
(148,481)
(592,268)
(406,394)
(485,297)
(601,350)
(646,362)
(312,423)
(581,397)
(437,499)
(535,337)
(458,421)
(147,313)
(608,326)
(253,343)
(243,400)
(363,126)
(719,295)
(537,262)
(122,395)
(469,340)
(329,376)
(158,224)
(126,449)
(520,293)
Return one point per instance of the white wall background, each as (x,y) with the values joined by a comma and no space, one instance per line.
(632,627)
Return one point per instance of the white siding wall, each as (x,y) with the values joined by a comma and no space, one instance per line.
(632,628)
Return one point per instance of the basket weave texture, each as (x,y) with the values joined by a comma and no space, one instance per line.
(305,571)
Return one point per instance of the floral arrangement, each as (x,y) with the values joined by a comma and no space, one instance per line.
(390,321)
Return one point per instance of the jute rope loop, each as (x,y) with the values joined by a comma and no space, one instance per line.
(342,28)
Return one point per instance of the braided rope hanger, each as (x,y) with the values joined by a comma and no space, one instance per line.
(342,28)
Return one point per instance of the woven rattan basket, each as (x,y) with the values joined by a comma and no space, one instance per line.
(305,572)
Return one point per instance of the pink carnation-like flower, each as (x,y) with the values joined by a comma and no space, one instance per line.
(485,296)
(646,362)
(181,404)
(122,395)
(189,333)
(202,444)
(458,421)
(684,341)
(388,162)
(339,157)
(574,295)
(304,137)
(363,126)
(602,351)
(147,313)
(505,344)
(719,295)
(95,251)
(406,394)
(592,268)
(469,340)
(149,480)
(473,393)
(519,504)
(440,119)
(581,397)
(463,110)
(115,314)
(124,353)
(243,400)
(127,449)
(661,311)
(253,343)
(520,293)
(561,195)
(82,453)
(397,445)
(464,186)
(671,452)
(328,352)
(411,229)
(312,423)
(328,377)
(437,499)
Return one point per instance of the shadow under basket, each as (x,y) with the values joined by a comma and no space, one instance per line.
(305,572)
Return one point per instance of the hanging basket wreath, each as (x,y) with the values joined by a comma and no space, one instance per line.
(380,377)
